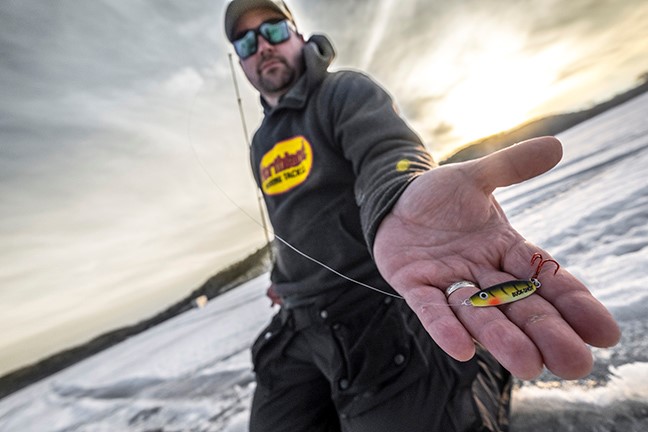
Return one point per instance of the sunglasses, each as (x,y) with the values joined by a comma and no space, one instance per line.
(275,33)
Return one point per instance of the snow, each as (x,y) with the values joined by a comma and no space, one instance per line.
(193,372)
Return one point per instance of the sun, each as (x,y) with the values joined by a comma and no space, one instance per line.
(484,81)
(501,90)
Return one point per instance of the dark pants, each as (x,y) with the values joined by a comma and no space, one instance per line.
(363,362)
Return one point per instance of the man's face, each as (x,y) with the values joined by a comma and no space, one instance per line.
(273,69)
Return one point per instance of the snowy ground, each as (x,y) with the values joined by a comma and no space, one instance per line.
(192,373)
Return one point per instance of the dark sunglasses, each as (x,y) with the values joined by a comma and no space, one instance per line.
(275,33)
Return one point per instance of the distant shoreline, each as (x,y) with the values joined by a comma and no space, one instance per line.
(549,125)
(259,262)
(236,274)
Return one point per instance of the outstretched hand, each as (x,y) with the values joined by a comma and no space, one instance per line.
(447,227)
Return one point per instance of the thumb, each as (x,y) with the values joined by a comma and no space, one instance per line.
(517,163)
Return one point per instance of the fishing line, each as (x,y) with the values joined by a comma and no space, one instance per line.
(264,226)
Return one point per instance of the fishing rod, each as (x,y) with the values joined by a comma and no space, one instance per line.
(247,140)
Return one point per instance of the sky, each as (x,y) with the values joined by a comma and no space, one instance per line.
(124,178)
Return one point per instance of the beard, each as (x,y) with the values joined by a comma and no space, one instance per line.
(277,78)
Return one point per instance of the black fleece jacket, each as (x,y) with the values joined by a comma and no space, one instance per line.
(331,159)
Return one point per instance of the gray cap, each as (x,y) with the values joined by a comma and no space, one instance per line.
(237,8)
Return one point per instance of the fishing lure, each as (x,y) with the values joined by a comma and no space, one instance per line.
(511,291)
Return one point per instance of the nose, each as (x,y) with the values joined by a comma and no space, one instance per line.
(263,45)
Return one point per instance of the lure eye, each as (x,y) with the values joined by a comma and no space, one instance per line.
(483,295)
(536,282)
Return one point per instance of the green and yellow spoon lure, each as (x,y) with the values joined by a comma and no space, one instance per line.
(511,291)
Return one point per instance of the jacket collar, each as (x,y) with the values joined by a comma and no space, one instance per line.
(318,56)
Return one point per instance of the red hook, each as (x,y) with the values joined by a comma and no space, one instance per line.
(537,256)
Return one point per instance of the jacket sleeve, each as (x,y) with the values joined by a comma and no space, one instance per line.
(385,153)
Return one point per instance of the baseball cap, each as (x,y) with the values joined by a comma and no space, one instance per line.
(236,9)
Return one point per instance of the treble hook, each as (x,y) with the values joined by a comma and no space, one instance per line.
(537,256)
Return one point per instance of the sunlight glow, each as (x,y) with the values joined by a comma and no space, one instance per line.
(483,81)
(502,92)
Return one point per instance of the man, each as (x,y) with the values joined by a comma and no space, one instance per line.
(361,216)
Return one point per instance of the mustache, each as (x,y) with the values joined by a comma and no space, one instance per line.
(268,58)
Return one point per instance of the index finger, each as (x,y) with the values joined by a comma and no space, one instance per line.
(584,313)
(576,304)
(562,350)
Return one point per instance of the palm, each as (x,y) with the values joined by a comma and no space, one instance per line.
(448,227)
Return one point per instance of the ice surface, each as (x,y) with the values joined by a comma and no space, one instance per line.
(192,372)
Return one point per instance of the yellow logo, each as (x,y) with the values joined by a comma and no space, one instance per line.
(286,165)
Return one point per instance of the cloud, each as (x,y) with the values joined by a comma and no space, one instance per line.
(185,82)
(427,52)
(101,103)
